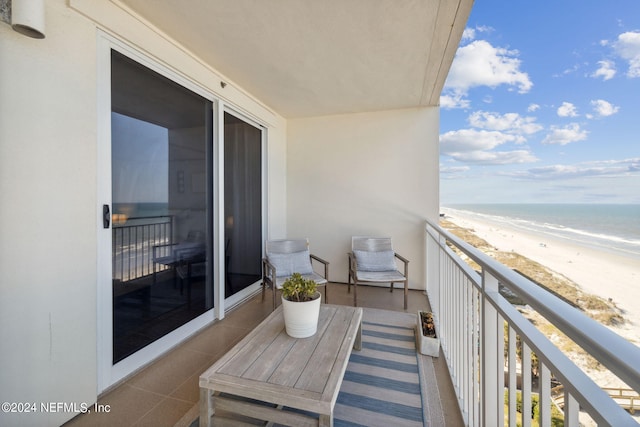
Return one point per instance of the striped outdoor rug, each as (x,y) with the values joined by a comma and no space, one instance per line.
(388,383)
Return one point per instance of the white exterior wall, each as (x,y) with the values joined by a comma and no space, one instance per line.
(49,204)
(364,174)
(48,216)
(276,192)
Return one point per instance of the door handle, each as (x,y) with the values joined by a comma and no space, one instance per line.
(106,216)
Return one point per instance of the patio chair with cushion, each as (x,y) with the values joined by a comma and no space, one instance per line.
(285,257)
(373,260)
(183,258)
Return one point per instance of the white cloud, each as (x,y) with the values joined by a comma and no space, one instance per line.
(565,135)
(509,122)
(568,71)
(495,157)
(468,34)
(455,100)
(453,172)
(491,130)
(474,146)
(454,169)
(606,70)
(464,140)
(567,109)
(481,64)
(484,28)
(533,107)
(604,108)
(628,47)
(609,168)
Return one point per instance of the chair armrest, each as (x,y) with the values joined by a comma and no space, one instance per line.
(190,254)
(164,245)
(353,263)
(326,264)
(154,248)
(317,258)
(268,270)
(405,262)
(401,258)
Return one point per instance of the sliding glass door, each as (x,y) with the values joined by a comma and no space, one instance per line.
(181,228)
(242,203)
(161,161)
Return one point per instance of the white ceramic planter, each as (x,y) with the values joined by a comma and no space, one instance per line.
(428,346)
(301,318)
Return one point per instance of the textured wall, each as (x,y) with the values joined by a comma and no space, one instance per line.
(372,174)
(5,11)
(48,215)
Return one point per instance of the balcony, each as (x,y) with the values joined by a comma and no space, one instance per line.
(479,373)
(330,96)
(480,330)
(166,392)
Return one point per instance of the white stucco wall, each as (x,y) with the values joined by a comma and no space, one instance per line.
(276,190)
(49,197)
(364,174)
(48,216)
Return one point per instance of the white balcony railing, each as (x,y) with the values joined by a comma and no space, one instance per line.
(471,316)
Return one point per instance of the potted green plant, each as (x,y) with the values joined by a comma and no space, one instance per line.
(300,306)
(428,342)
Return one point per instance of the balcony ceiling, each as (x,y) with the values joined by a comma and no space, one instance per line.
(312,58)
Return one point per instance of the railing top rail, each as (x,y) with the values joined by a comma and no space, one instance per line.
(149,217)
(589,394)
(616,353)
(138,221)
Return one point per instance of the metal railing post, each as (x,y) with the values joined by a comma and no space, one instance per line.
(433,272)
(489,351)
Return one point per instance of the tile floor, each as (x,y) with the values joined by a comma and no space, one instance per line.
(165,393)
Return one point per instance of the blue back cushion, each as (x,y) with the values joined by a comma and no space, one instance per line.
(375,261)
(287,264)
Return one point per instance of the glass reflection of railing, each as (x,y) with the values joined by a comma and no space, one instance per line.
(133,242)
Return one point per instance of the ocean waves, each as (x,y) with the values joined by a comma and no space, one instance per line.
(613,228)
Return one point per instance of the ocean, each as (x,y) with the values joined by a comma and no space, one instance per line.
(141,210)
(612,227)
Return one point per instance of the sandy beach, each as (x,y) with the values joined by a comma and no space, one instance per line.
(602,273)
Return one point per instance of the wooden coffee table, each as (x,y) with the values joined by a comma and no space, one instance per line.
(279,371)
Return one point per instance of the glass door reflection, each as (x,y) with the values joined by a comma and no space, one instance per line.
(161,197)
(242,203)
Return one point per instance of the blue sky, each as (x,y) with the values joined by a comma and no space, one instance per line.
(542,104)
(140,159)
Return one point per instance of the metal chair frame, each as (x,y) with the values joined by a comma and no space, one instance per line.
(289,246)
(376,244)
